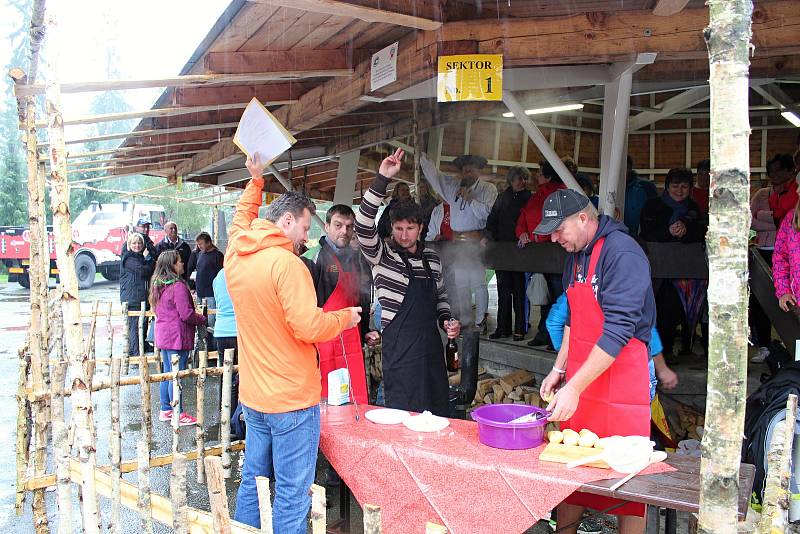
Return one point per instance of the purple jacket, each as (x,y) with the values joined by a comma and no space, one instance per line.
(176,318)
(786,259)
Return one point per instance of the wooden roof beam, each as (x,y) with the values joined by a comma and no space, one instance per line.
(183,81)
(282,60)
(366,13)
(666,8)
(234,94)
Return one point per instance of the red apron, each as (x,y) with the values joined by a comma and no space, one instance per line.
(618,401)
(330,352)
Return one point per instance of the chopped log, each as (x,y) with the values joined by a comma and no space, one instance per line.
(115,445)
(517,378)
(200,436)
(774,514)
(23,438)
(177,493)
(125,338)
(499,393)
(145,512)
(61,448)
(508,400)
(318,515)
(372,519)
(225,411)
(484,387)
(217,496)
(487,399)
(264,504)
(176,403)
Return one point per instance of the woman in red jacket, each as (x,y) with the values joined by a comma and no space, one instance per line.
(529,218)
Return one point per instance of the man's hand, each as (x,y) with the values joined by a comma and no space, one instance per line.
(453,328)
(524,239)
(786,302)
(564,404)
(390,166)
(255,167)
(373,338)
(549,384)
(355,316)
(484,241)
(678,229)
(667,378)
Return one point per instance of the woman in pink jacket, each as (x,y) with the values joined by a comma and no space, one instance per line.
(786,261)
(175,323)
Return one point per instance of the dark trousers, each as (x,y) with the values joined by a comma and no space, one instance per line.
(670,314)
(222,344)
(760,325)
(556,286)
(133,329)
(510,294)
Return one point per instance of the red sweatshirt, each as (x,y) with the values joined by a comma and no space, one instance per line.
(531,214)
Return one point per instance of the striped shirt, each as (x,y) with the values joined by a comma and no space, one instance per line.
(389,271)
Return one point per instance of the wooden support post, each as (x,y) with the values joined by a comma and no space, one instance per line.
(61,448)
(225,414)
(217,496)
(774,515)
(177,493)
(264,504)
(728,38)
(202,330)
(125,338)
(372,519)
(200,433)
(145,512)
(90,344)
(415,138)
(318,514)
(144,382)
(115,442)
(23,438)
(176,402)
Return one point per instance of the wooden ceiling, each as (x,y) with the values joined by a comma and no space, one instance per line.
(322,56)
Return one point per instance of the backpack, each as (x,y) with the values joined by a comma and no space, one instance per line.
(764,409)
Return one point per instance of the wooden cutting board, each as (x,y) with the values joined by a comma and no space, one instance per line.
(564,454)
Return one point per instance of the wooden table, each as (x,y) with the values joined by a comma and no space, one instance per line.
(675,491)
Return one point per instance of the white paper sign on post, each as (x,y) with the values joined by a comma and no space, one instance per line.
(384,67)
(259,132)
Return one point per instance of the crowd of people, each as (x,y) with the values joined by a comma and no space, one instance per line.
(294,315)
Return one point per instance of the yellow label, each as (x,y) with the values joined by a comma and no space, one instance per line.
(470,77)
(344,387)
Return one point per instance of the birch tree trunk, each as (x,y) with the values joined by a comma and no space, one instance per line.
(728,38)
(70,299)
(775,513)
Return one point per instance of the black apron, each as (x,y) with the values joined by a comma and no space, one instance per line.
(414,372)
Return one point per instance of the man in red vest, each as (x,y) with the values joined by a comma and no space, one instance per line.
(337,274)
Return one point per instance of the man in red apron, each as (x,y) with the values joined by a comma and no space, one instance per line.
(604,354)
(337,274)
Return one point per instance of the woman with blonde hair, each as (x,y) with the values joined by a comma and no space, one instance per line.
(786,262)
(175,323)
(135,270)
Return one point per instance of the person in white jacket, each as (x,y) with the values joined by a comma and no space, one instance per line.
(471,200)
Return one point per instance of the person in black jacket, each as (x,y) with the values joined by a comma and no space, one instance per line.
(135,271)
(143,228)
(675,218)
(172,241)
(207,260)
(501,226)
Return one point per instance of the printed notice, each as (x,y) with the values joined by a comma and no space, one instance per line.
(470,77)
(384,67)
(259,132)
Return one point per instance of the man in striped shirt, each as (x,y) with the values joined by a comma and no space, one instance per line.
(409,287)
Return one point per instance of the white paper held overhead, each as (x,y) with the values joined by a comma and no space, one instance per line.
(260,133)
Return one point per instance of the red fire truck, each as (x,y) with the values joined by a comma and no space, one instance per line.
(98,234)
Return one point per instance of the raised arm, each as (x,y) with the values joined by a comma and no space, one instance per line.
(445,186)
(249,202)
(366,231)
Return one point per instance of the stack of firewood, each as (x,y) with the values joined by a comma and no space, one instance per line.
(517,387)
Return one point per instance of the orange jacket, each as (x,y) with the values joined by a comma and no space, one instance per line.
(276,310)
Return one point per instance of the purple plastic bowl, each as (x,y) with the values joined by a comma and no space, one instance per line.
(495,430)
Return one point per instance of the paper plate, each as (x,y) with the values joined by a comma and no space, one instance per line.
(387,416)
(426,422)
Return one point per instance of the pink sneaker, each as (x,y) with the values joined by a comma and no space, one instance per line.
(165,415)
(187,420)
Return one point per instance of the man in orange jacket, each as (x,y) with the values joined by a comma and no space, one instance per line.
(278,323)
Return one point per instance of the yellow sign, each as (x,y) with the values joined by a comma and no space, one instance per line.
(470,77)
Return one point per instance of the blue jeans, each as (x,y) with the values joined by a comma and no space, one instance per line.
(283,446)
(166,387)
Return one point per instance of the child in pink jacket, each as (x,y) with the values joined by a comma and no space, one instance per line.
(786,261)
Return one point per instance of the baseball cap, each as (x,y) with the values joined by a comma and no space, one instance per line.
(558,206)
(142,221)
